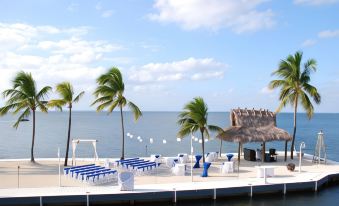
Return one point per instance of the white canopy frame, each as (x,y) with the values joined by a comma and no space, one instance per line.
(75,143)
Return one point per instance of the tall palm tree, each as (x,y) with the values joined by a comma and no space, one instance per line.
(110,94)
(295,87)
(194,118)
(67,98)
(23,97)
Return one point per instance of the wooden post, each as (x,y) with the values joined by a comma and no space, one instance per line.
(263,152)
(286,150)
(239,156)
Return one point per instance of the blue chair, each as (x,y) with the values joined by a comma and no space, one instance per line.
(205,172)
(197,158)
(229,157)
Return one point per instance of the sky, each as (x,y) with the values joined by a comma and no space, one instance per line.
(171,51)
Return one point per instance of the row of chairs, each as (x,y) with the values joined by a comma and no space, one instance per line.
(91,174)
(138,165)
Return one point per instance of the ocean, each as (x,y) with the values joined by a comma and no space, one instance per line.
(51,133)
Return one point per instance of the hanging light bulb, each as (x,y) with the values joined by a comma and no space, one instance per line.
(164,141)
(131,136)
(138,137)
(140,140)
(206,140)
(193,137)
(200,141)
(128,134)
(178,139)
(196,139)
(151,140)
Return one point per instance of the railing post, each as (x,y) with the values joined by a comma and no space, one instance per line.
(87,198)
(18,175)
(175,195)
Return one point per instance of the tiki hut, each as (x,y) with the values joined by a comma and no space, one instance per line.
(253,126)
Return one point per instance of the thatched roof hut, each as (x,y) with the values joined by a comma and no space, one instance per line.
(253,126)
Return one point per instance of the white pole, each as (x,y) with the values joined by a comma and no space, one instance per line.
(192,155)
(59,167)
(191,159)
(320,144)
(302,145)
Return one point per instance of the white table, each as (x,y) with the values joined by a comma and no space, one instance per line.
(179,169)
(265,171)
(227,167)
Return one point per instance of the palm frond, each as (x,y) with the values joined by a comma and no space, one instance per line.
(112,106)
(5,109)
(77,98)
(135,110)
(56,103)
(307,105)
(103,105)
(25,114)
(43,93)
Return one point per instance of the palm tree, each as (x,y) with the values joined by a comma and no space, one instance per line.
(194,118)
(110,94)
(23,97)
(295,87)
(66,92)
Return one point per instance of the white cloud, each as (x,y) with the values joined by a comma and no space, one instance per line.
(309,42)
(148,88)
(104,13)
(266,90)
(315,2)
(73,7)
(191,69)
(98,6)
(239,16)
(52,54)
(107,13)
(328,34)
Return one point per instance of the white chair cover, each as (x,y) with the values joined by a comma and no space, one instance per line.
(169,161)
(126,181)
(183,158)
(179,169)
(227,167)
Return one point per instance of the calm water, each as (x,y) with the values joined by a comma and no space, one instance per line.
(324,197)
(52,130)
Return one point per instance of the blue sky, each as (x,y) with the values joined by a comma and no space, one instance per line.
(172,50)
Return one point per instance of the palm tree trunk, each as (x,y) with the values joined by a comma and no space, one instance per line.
(33,138)
(69,133)
(203,146)
(123,134)
(220,147)
(295,124)
(286,150)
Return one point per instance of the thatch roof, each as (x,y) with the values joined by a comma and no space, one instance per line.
(253,126)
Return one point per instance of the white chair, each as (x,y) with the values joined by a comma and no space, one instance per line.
(261,171)
(155,158)
(227,167)
(179,169)
(169,161)
(126,181)
(183,157)
(258,154)
(211,157)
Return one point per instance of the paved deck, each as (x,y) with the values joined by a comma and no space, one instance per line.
(41,180)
